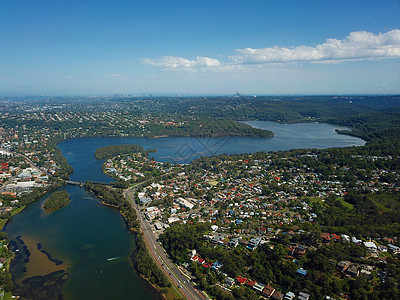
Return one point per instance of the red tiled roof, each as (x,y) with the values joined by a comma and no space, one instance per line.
(251,283)
(325,236)
(241,280)
(268,290)
(277,295)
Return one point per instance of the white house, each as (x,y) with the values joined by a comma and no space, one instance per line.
(371,247)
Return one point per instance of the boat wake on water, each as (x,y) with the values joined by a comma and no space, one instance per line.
(113,258)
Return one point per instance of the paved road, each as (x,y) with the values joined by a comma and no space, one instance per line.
(173,273)
(31,163)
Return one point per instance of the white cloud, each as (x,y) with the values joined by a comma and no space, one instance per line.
(359,45)
(172,62)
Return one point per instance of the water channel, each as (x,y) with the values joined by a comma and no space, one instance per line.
(83,249)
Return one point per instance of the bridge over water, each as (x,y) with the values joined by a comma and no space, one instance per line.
(78,183)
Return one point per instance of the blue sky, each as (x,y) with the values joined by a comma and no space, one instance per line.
(199,47)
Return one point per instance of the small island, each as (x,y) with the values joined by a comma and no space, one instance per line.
(57,200)
(110,151)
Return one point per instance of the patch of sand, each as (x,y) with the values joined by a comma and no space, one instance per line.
(39,264)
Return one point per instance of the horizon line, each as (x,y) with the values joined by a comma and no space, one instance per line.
(177,95)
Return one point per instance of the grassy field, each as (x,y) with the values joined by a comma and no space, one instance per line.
(213,183)
(313,201)
(345,204)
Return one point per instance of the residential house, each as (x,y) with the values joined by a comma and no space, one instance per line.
(234,242)
(240,280)
(173,220)
(366,274)
(277,295)
(262,230)
(301,272)
(352,271)
(268,291)
(142,198)
(356,241)
(253,243)
(345,238)
(300,251)
(326,237)
(192,252)
(158,226)
(251,283)
(216,266)
(289,296)
(259,287)
(303,296)
(5,209)
(335,237)
(343,265)
(371,247)
(229,281)
(382,248)
(152,212)
(394,249)
(223,242)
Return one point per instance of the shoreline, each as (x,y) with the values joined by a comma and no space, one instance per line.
(153,287)
(20,209)
(52,187)
(57,208)
(149,137)
(348,131)
(135,231)
(133,256)
(338,131)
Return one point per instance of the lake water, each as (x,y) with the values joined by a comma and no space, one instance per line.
(83,235)
(74,244)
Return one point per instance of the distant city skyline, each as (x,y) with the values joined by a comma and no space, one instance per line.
(73,48)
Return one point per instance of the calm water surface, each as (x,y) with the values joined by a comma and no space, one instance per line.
(85,234)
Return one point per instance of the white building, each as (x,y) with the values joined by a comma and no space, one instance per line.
(184,203)
(173,220)
(371,247)
(354,240)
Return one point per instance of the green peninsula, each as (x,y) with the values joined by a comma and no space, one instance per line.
(57,200)
(110,151)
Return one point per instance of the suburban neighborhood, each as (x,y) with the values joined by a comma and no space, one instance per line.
(265,201)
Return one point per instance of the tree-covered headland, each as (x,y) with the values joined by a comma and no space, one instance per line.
(110,151)
(57,200)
